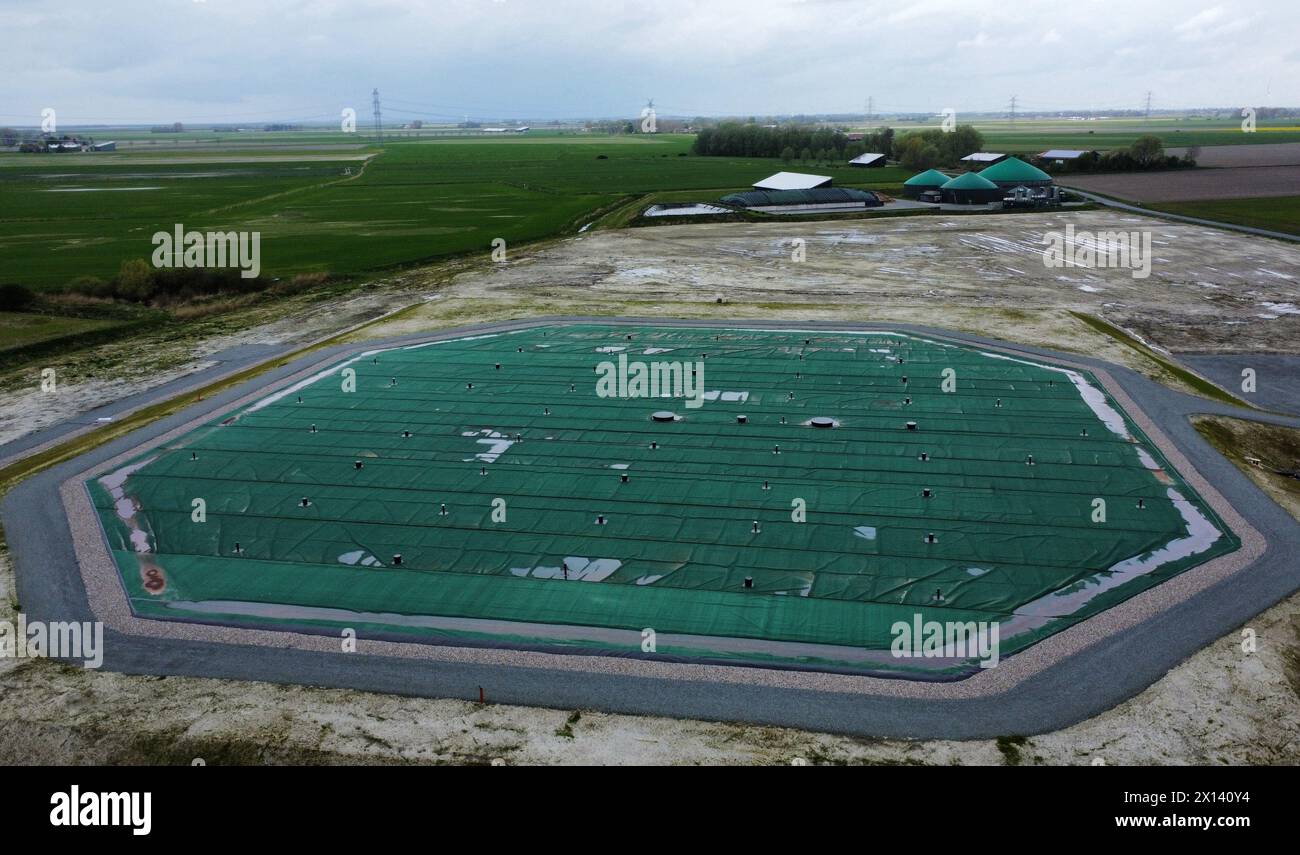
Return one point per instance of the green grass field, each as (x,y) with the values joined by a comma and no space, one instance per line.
(1276,213)
(528,507)
(76,217)
(70,215)
(20,329)
(420,198)
(1030,136)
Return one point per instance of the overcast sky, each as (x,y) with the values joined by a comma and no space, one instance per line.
(98,61)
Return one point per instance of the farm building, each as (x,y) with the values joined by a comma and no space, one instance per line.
(931,179)
(983,158)
(63,145)
(1062,156)
(799,201)
(792,181)
(684,209)
(870,159)
(1014,172)
(1021,196)
(970,188)
(103,146)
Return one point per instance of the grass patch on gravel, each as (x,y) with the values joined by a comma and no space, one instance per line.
(1278,214)
(1195,382)
(1275,447)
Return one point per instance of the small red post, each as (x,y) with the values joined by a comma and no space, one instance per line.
(480,695)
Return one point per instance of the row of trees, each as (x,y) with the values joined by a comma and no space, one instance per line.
(915,150)
(822,157)
(139,282)
(1146,152)
(921,150)
(734,139)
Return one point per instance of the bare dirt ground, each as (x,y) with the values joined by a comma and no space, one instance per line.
(1208,290)
(1189,184)
(1275,448)
(1263,154)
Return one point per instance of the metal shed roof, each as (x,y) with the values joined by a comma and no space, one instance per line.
(792,181)
(812,196)
(868,158)
(983,157)
(1063,154)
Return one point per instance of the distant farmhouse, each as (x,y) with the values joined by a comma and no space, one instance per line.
(64,145)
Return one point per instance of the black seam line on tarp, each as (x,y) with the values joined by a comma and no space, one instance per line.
(922,521)
(842,477)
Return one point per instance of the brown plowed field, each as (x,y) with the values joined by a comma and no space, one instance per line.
(1188,184)
(1264,154)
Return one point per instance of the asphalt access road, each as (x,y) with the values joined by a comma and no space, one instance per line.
(229,361)
(1277,377)
(1087,683)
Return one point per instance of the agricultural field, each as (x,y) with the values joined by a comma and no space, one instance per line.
(1191,184)
(1278,213)
(20,329)
(1029,136)
(415,200)
(328,202)
(77,217)
(1264,153)
(1255,185)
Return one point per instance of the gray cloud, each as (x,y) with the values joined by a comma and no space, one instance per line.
(226,60)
